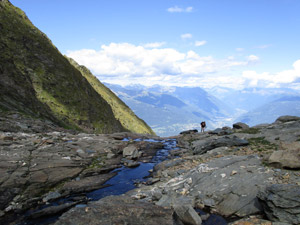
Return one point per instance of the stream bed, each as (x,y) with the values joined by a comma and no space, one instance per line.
(124,181)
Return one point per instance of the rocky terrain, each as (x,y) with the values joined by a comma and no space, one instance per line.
(245,175)
(40,162)
(64,135)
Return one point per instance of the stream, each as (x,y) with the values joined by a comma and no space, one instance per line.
(123,182)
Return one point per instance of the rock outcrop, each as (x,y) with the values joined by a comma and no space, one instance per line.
(117,210)
(281,202)
(230,174)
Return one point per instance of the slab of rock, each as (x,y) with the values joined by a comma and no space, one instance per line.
(189,131)
(220,131)
(284,119)
(281,203)
(52,210)
(285,159)
(228,185)
(202,146)
(86,184)
(117,210)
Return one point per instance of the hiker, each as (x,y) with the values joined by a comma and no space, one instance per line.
(203,125)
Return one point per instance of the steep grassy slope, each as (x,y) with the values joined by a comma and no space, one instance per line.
(37,80)
(121,111)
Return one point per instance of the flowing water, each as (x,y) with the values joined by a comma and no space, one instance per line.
(123,182)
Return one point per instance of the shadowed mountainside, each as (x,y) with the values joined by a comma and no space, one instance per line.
(38,81)
(121,111)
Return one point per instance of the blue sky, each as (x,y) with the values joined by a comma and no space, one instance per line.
(232,43)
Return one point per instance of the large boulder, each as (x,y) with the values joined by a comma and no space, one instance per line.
(131,152)
(202,146)
(117,210)
(284,119)
(240,125)
(285,159)
(281,202)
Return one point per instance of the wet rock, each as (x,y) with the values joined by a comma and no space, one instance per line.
(117,210)
(281,203)
(52,210)
(86,184)
(240,125)
(285,159)
(187,215)
(130,163)
(284,119)
(202,146)
(51,196)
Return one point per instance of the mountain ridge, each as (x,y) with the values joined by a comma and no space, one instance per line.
(38,81)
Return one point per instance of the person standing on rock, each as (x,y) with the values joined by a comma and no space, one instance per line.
(203,125)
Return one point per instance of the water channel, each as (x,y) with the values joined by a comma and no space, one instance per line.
(123,182)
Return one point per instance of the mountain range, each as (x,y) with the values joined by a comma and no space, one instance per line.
(170,110)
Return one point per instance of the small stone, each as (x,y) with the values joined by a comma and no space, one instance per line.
(223,175)
(286,176)
(51,196)
(233,172)
(67,157)
(80,151)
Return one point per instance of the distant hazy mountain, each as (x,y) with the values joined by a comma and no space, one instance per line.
(170,110)
(268,113)
(249,98)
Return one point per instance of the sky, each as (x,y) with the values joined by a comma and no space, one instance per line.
(203,43)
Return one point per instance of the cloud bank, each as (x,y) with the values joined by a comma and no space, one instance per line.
(125,63)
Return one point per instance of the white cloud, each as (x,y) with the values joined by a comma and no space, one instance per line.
(186,36)
(125,63)
(154,44)
(253,58)
(200,43)
(280,79)
(176,9)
